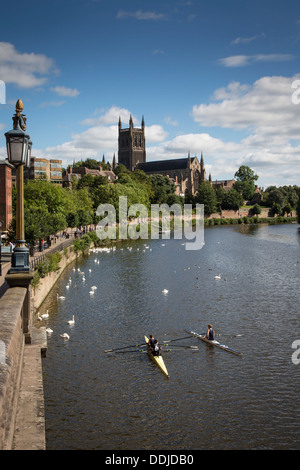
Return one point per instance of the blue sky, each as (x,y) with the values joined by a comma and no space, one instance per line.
(208,76)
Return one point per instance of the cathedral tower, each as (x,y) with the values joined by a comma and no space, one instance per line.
(132,145)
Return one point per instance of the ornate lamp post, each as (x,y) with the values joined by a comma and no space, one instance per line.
(18,142)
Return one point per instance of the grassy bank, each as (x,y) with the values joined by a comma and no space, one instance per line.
(248,220)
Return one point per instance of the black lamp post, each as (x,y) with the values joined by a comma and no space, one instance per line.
(19,151)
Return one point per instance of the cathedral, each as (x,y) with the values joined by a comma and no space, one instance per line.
(186,173)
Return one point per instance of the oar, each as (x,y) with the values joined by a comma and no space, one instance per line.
(125,347)
(126,352)
(229,337)
(177,339)
(181,346)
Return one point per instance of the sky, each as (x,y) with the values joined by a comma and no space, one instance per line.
(216,77)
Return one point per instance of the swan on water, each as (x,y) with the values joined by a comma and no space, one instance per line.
(65,336)
(165,291)
(45,315)
(71,322)
(94,287)
(60,297)
(48,330)
(218,276)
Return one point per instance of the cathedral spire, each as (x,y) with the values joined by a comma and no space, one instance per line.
(114,162)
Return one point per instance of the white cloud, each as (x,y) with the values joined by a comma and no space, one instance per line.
(110,116)
(243,60)
(266,113)
(243,40)
(25,70)
(141,15)
(64,91)
(155,133)
(52,103)
(170,121)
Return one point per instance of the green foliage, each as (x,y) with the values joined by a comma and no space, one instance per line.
(50,264)
(232,200)
(49,208)
(82,244)
(245,182)
(256,209)
(282,200)
(206,195)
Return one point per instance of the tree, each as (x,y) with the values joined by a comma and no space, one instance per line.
(206,195)
(121,169)
(232,200)
(162,188)
(275,196)
(245,182)
(256,209)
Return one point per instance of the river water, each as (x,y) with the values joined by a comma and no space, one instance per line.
(212,399)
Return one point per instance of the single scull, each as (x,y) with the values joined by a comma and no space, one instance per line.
(214,343)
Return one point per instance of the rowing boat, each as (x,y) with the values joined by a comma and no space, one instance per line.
(214,343)
(158,359)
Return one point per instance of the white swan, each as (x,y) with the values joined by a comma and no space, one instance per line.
(94,287)
(65,336)
(49,331)
(39,317)
(218,276)
(45,315)
(165,291)
(71,322)
(92,292)
(60,297)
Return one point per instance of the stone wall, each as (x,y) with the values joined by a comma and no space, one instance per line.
(243,212)
(45,285)
(11,359)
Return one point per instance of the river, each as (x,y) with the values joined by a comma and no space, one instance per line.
(212,399)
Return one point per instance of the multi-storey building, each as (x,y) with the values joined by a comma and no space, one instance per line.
(41,167)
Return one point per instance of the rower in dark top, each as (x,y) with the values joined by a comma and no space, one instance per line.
(153,343)
(210,335)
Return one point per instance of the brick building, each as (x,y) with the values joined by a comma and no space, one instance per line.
(75,173)
(5,194)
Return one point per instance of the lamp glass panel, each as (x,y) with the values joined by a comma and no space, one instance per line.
(17,150)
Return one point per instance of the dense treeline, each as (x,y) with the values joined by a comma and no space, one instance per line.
(50,208)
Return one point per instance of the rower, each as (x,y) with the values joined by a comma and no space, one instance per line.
(151,342)
(154,346)
(156,349)
(210,335)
